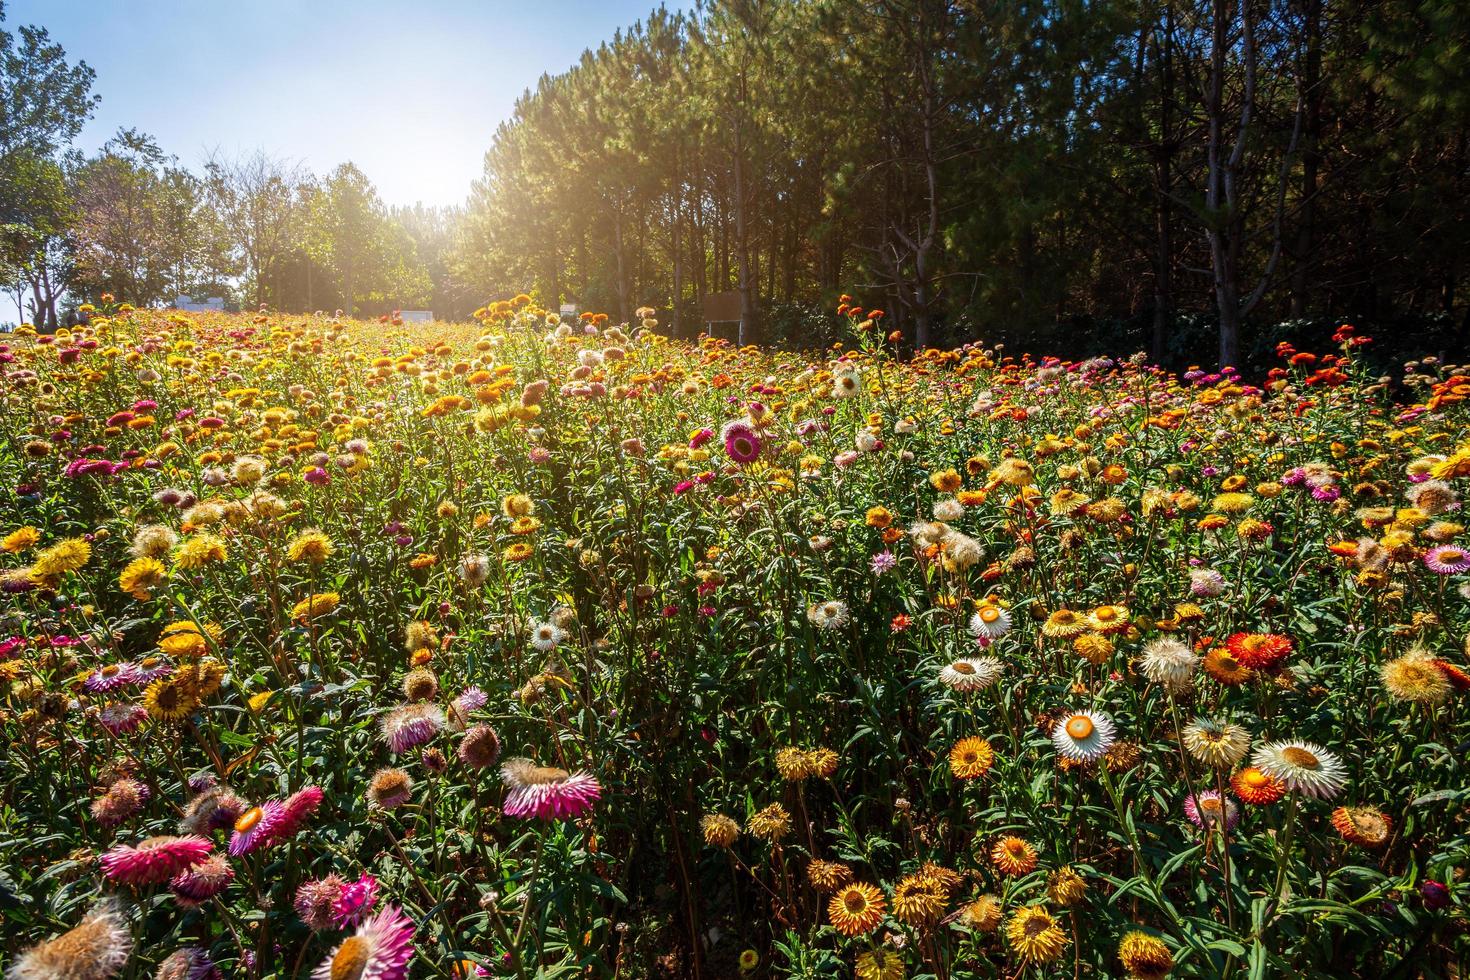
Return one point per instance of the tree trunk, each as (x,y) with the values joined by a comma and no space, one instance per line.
(1311,158)
(624,310)
(582,268)
(1220,216)
(49,299)
(676,321)
(259,279)
(749,314)
(1163,191)
(922,299)
(349,288)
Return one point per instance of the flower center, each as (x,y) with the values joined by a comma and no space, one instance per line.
(1079,726)
(1300,757)
(351,959)
(962,667)
(1228,662)
(1211,804)
(854,902)
(248,820)
(1255,778)
(542,775)
(1035,926)
(989,614)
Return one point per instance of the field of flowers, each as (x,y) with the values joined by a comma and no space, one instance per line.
(519,648)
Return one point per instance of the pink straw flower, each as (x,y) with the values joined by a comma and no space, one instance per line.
(110,678)
(299,806)
(354,901)
(155,860)
(1209,808)
(119,719)
(411,725)
(547,793)
(196,885)
(1447,559)
(256,827)
(742,444)
(315,900)
(123,800)
(189,963)
(379,950)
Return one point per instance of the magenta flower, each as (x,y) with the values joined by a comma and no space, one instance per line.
(742,444)
(379,950)
(155,860)
(547,793)
(1436,895)
(355,901)
(700,438)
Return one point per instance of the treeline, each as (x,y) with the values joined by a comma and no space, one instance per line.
(130,221)
(1200,178)
(1177,171)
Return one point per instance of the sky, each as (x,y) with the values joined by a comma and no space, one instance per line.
(411,92)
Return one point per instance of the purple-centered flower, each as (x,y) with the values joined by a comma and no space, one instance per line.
(742,443)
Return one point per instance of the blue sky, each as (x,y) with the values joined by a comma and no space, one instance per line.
(410,92)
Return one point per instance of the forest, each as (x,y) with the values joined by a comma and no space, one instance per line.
(1161,174)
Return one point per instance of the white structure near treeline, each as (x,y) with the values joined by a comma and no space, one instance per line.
(416,316)
(187,304)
